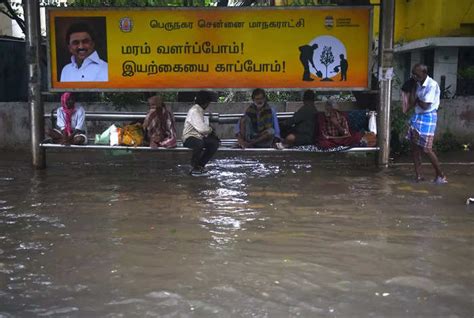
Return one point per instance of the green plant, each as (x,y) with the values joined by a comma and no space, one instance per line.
(398,124)
(467,73)
(447,142)
(283,96)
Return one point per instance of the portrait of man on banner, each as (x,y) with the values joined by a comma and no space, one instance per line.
(81,49)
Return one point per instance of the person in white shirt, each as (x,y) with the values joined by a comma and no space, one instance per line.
(422,124)
(86,65)
(70,122)
(198,135)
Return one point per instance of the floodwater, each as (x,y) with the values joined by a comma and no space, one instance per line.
(97,235)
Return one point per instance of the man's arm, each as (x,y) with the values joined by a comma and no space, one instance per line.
(81,118)
(428,97)
(276,125)
(60,120)
(423,105)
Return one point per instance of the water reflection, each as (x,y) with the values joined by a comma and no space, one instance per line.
(227,210)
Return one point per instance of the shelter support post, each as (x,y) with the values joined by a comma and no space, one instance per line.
(387,14)
(33,38)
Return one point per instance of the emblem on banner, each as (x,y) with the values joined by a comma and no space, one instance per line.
(329,22)
(126,24)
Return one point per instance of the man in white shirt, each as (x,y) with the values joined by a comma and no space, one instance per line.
(86,65)
(198,135)
(422,125)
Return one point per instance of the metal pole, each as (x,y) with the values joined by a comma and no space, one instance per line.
(33,38)
(387,17)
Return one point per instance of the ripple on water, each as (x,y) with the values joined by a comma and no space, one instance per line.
(31,246)
(53,311)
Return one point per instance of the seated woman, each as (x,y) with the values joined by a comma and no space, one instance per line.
(70,125)
(334,129)
(259,125)
(159,124)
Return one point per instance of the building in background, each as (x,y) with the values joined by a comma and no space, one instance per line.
(438,33)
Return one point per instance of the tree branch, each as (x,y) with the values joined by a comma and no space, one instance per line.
(13,15)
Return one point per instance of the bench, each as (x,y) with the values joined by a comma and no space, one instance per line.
(357,121)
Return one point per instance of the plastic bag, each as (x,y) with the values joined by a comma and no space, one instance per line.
(114,135)
(132,135)
(372,122)
(104,138)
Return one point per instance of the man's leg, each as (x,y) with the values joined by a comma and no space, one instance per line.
(197,146)
(416,153)
(434,162)
(265,139)
(246,131)
(56,135)
(79,139)
(211,144)
(290,140)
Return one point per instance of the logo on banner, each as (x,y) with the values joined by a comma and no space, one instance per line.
(329,22)
(126,24)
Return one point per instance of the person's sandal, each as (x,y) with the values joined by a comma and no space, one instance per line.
(440,180)
(280,146)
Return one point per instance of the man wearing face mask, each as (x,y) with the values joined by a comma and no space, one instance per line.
(259,125)
(86,65)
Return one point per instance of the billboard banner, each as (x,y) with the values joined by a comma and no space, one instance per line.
(194,48)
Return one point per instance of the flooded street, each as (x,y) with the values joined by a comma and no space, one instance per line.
(97,235)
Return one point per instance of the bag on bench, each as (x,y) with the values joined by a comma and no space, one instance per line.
(131,135)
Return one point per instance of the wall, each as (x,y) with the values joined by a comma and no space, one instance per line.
(455,115)
(418,19)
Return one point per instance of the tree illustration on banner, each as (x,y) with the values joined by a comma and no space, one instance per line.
(327,58)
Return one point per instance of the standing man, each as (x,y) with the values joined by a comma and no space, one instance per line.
(86,65)
(199,136)
(422,124)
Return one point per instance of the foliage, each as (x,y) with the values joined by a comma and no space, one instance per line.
(283,96)
(398,124)
(126,3)
(447,142)
(467,73)
(129,100)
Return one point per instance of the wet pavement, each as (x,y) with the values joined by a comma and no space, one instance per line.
(101,235)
